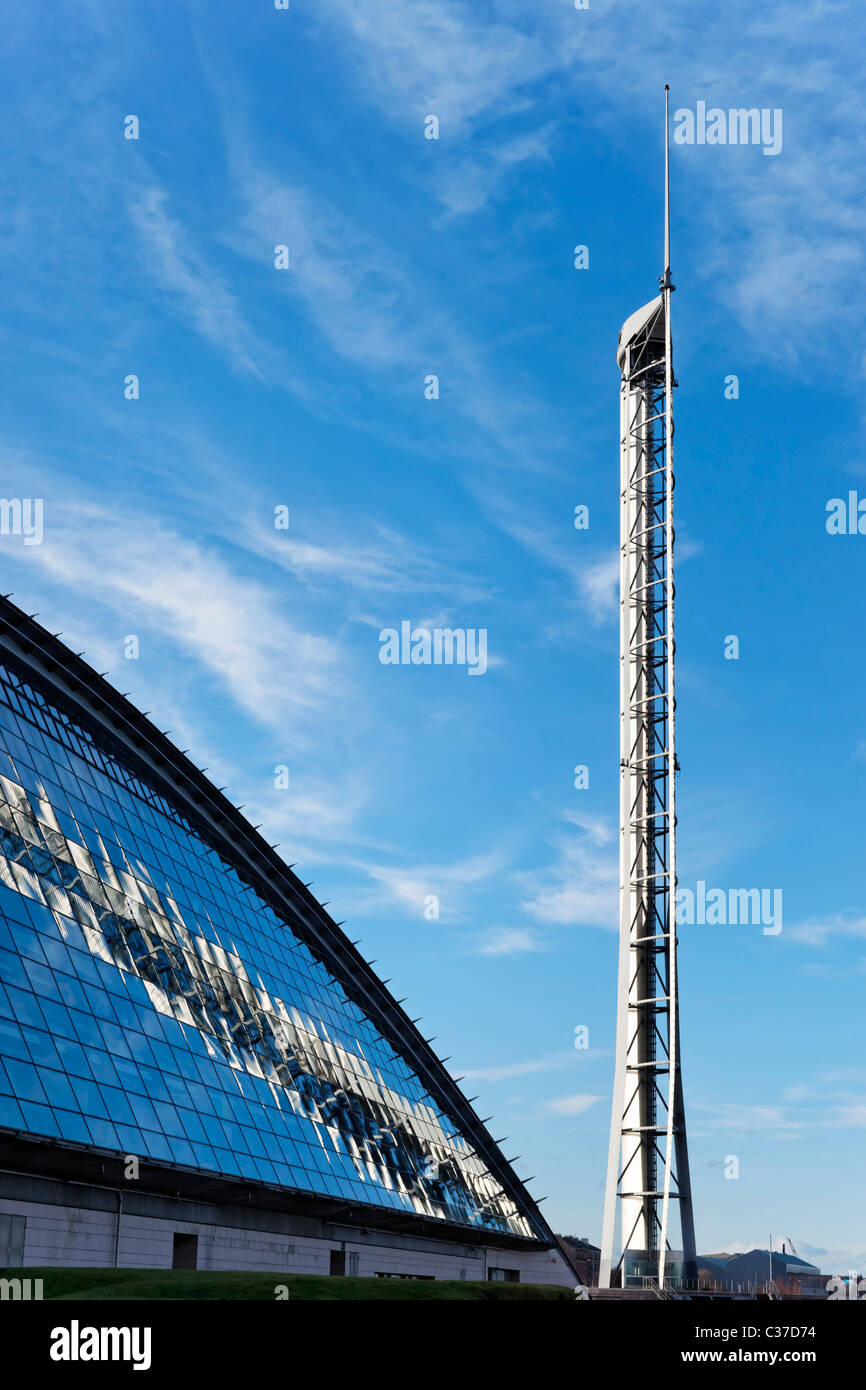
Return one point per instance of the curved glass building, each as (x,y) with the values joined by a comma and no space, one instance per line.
(196,1065)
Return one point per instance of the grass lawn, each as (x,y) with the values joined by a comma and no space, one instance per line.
(131,1284)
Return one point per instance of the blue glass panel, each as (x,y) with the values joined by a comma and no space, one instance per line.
(71,992)
(57,1089)
(131,1139)
(73,1126)
(192,1125)
(117,1105)
(154,1084)
(89,1097)
(182,1151)
(42,1048)
(12,971)
(72,1056)
(25,1007)
(156,1145)
(144,1112)
(101,1066)
(12,1043)
(27,943)
(205,1156)
(10,1113)
(39,1119)
(104,1134)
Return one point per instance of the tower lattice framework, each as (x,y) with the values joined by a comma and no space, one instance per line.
(648,1167)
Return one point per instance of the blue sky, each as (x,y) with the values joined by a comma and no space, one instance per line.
(304,388)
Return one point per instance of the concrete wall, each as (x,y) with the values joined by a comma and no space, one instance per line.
(59,1233)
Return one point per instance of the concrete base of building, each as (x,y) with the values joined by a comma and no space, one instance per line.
(51,1222)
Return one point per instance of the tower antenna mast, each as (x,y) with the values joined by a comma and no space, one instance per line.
(648,1166)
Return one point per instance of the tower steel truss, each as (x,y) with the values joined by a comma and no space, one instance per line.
(648,1165)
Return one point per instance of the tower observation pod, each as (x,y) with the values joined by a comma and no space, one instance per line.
(648,1185)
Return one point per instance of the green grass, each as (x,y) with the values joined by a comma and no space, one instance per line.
(133,1284)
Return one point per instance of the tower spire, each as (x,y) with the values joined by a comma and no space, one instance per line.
(667,274)
(648,1165)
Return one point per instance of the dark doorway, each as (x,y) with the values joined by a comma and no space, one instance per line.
(12,1241)
(338,1262)
(185,1253)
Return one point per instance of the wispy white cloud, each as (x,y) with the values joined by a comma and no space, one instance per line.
(571,1105)
(825,1086)
(598,584)
(821,930)
(154,579)
(830,1100)
(443,58)
(509,941)
(580,887)
(470,183)
(313,815)
(440,56)
(851,1115)
(352,288)
(372,307)
(591,578)
(804,1109)
(553,1061)
(411,887)
(743,1118)
(363,555)
(386,562)
(199,292)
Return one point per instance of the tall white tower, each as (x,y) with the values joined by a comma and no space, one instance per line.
(648,1166)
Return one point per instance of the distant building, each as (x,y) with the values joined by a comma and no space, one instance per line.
(792,1276)
(585,1257)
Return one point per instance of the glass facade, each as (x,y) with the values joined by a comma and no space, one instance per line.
(152,1004)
